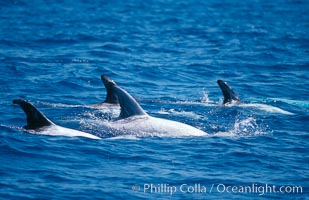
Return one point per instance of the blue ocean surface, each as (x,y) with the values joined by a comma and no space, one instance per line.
(168,54)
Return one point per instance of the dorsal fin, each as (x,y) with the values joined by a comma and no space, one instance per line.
(111,97)
(128,105)
(35,119)
(228,93)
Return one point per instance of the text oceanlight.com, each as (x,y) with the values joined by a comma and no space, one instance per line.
(164,188)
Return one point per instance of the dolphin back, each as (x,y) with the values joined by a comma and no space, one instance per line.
(35,119)
(228,93)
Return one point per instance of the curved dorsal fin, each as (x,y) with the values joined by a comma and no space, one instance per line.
(35,119)
(111,97)
(228,93)
(128,105)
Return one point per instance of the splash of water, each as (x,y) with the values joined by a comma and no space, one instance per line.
(244,128)
(173,112)
(205,97)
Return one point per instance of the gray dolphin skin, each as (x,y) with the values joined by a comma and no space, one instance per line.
(40,124)
(111,97)
(133,119)
(128,105)
(230,96)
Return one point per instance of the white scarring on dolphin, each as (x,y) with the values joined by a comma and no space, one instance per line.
(134,120)
(40,124)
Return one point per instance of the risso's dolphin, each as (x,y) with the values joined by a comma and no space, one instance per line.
(111,98)
(230,96)
(134,120)
(39,124)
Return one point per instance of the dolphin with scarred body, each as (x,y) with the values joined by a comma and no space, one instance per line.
(134,120)
(38,123)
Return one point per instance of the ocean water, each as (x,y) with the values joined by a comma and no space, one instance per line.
(168,55)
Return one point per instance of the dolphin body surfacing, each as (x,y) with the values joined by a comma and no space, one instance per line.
(134,120)
(40,124)
(230,96)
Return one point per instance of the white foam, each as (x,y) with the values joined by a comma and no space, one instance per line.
(124,137)
(225,134)
(61,105)
(172,112)
(243,128)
